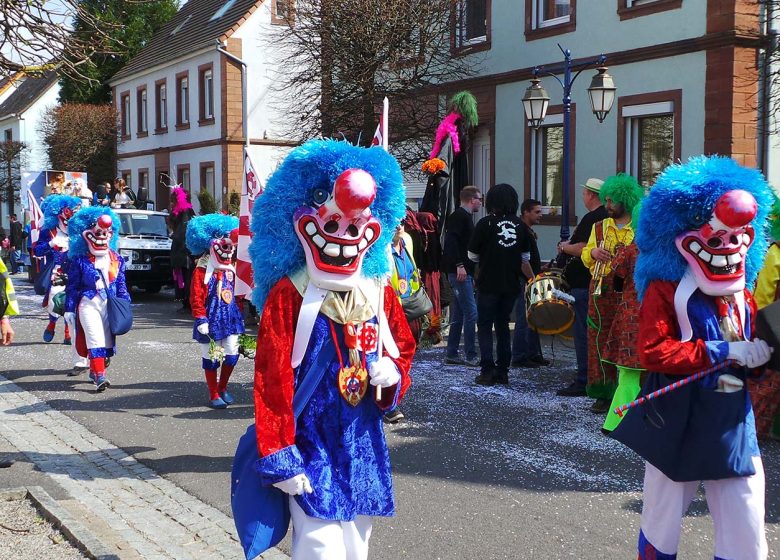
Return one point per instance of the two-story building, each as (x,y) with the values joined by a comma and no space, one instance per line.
(179,101)
(688,82)
(23,101)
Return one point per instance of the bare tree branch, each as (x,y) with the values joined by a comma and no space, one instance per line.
(35,36)
(341,57)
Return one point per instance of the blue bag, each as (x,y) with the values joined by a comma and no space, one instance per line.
(120,314)
(43,279)
(262,513)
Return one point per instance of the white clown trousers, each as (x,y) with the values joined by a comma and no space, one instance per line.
(736,505)
(229,344)
(93,315)
(321,539)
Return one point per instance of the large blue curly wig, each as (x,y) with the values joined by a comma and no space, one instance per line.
(202,229)
(85,219)
(276,251)
(683,199)
(53,204)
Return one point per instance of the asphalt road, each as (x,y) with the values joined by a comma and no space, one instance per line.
(480,473)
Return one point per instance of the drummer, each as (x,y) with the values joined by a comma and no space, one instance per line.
(526,346)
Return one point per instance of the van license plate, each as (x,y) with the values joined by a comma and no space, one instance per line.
(138,267)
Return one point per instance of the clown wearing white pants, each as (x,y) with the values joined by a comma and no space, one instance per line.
(335,540)
(736,506)
(95,272)
(697,315)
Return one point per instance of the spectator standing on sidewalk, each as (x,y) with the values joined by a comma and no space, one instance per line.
(460,274)
(526,346)
(497,246)
(17,243)
(8,306)
(577,276)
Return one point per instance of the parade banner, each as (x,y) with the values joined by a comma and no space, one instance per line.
(251,188)
(36,216)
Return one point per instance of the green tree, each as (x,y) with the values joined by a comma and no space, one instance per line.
(132,24)
(207,203)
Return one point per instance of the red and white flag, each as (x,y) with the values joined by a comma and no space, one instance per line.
(251,189)
(36,216)
(380,136)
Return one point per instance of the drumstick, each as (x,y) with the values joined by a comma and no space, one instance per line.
(676,385)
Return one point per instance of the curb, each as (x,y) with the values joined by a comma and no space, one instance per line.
(78,535)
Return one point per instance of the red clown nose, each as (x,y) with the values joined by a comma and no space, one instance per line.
(354,190)
(736,208)
(104,221)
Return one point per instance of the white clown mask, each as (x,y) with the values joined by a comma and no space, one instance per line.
(337,229)
(64,217)
(99,235)
(715,253)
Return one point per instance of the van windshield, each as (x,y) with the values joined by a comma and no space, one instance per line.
(143,224)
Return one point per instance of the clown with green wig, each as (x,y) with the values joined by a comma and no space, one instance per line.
(620,195)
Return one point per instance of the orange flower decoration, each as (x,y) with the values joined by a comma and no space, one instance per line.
(433,166)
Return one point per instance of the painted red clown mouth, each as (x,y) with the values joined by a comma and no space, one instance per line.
(337,254)
(720,264)
(98,242)
(223,250)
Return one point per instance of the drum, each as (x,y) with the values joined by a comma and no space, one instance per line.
(549,308)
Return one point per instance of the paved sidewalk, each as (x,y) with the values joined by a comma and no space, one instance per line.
(128,507)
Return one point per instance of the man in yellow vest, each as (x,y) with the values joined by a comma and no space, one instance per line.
(8,306)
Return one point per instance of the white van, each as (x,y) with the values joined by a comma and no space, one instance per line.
(146,247)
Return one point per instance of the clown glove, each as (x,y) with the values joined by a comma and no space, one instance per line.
(203,328)
(383,372)
(750,354)
(295,486)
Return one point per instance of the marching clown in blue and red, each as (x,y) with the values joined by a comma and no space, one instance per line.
(701,240)
(333,350)
(218,320)
(95,271)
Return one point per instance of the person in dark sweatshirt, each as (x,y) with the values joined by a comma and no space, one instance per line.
(460,274)
(497,246)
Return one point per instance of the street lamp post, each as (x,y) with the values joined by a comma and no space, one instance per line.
(536,101)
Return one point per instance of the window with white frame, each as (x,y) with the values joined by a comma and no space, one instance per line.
(546,13)
(142,112)
(547,161)
(184,100)
(126,115)
(162,106)
(207,83)
(207,180)
(649,139)
(634,3)
(183,177)
(470,22)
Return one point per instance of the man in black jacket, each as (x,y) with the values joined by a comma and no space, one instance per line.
(577,276)
(460,274)
(17,243)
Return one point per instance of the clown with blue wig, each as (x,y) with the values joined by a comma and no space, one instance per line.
(218,321)
(53,244)
(334,351)
(96,271)
(701,243)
